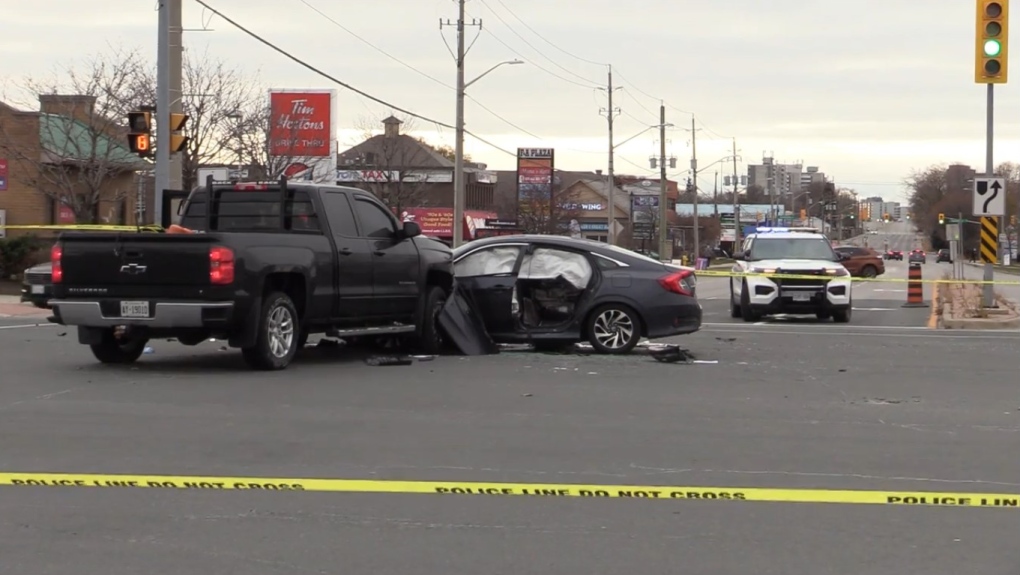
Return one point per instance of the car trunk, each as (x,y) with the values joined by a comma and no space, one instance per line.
(135,264)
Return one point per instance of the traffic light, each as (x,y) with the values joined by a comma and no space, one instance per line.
(991,51)
(178,141)
(140,133)
(942,219)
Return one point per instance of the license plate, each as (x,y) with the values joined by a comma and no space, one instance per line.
(134,309)
(801,296)
(38,289)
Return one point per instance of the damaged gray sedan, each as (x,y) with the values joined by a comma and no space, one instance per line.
(553,291)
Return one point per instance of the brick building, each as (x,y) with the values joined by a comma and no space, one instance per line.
(60,159)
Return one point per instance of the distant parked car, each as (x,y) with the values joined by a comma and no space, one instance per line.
(943,256)
(37,285)
(894,255)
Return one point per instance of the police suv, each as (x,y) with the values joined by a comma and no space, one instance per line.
(817,284)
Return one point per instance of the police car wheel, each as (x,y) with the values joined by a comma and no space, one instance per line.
(745,306)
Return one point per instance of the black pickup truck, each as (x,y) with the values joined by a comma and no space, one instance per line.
(266,265)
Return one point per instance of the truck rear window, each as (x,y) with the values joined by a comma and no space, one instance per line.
(251,211)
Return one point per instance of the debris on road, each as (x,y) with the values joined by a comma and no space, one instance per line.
(386,361)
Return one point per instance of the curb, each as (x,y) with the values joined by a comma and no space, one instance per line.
(946,321)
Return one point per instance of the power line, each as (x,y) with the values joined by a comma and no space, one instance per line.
(335,80)
(543,38)
(532,62)
(374,47)
(532,46)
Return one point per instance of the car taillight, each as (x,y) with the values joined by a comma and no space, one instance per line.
(681,282)
(57,273)
(221,265)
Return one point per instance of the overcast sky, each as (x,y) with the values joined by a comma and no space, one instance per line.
(867,90)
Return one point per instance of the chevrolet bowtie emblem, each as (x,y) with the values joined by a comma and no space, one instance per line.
(133,269)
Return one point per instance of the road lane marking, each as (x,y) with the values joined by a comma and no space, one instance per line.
(469,488)
(28,325)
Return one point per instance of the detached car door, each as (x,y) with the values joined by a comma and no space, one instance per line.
(490,274)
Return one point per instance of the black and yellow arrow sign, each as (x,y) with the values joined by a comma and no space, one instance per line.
(990,239)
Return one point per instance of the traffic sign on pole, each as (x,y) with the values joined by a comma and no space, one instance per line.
(990,240)
(989,196)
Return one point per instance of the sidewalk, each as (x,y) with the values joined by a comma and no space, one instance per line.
(11,306)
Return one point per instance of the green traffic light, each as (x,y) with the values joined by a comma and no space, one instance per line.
(992,48)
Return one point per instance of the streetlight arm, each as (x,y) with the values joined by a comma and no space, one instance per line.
(618,144)
(485,73)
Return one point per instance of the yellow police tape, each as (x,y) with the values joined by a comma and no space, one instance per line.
(84,228)
(733,494)
(731,274)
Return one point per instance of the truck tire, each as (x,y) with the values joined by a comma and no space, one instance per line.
(114,351)
(276,341)
(430,340)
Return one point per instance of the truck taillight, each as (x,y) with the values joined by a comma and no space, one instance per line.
(221,265)
(57,273)
(681,282)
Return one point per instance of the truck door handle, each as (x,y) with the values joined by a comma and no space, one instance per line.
(379,253)
(345,251)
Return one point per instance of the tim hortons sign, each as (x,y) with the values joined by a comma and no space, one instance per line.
(300,124)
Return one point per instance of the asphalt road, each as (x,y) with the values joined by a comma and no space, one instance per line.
(811,406)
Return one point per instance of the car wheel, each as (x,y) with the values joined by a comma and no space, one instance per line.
(113,350)
(842,316)
(278,333)
(745,306)
(430,337)
(869,272)
(614,329)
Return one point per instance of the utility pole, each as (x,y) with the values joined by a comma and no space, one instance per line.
(989,273)
(459,185)
(665,246)
(169,52)
(694,180)
(611,113)
(770,177)
(715,195)
(736,204)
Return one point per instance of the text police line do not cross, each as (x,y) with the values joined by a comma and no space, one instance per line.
(989,196)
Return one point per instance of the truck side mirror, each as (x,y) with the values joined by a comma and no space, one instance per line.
(411,229)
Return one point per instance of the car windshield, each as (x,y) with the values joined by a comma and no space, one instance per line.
(791,249)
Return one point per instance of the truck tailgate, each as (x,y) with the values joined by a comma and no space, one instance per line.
(135,264)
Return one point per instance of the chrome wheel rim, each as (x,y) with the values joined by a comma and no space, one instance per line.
(613,329)
(281,331)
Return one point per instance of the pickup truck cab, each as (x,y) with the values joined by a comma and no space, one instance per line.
(265,265)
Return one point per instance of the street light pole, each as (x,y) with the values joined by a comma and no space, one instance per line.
(459,185)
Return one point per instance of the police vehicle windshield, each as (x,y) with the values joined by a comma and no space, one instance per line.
(808,248)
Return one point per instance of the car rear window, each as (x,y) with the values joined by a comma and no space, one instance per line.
(251,211)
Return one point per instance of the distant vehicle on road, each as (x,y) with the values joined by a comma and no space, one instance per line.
(861,262)
(917,256)
(943,256)
(894,255)
(819,285)
(554,291)
(36,286)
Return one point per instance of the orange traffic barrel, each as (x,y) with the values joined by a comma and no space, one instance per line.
(915,288)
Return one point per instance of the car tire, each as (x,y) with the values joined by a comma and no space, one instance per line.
(746,312)
(276,342)
(869,271)
(734,305)
(430,339)
(114,351)
(613,329)
(843,315)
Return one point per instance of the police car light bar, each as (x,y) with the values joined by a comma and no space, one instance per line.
(768,230)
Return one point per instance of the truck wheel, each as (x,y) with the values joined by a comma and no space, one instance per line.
(278,333)
(430,337)
(113,350)
(842,316)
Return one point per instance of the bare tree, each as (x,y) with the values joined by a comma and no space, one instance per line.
(398,162)
(216,98)
(82,158)
(538,215)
